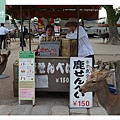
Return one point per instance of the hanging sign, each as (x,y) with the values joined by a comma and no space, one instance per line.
(79,71)
(26,76)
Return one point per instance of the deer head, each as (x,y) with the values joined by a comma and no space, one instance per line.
(95,81)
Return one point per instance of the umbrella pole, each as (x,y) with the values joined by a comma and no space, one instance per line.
(77,28)
(21,26)
(29,28)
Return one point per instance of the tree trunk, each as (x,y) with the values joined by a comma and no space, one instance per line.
(113,31)
(118,76)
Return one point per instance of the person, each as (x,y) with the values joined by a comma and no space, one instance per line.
(84,46)
(24,44)
(3,32)
(49,32)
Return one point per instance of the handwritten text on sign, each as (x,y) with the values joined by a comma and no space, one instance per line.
(51,68)
(79,71)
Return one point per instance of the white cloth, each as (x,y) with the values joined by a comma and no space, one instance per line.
(20,28)
(84,46)
(40,37)
(3,30)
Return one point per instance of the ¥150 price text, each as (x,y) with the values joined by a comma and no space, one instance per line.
(81,103)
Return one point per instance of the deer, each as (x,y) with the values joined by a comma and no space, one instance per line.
(97,82)
(27,37)
(3,61)
(105,35)
(13,35)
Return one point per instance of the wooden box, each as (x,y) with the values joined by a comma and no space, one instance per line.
(69,48)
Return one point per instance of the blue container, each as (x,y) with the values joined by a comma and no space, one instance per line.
(110,85)
(111,88)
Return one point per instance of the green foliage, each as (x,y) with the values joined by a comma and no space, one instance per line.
(111,12)
(8,12)
(117,13)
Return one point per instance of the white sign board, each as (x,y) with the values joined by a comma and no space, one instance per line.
(27,76)
(79,71)
(2,11)
(41,81)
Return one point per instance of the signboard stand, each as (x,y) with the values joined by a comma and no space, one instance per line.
(79,71)
(26,76)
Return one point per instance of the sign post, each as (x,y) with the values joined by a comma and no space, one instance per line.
(79,71)
(26,76)
(2,11)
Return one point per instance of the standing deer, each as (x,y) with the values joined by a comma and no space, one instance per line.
(97,83)
(13,35)
(27,37)
(105,35)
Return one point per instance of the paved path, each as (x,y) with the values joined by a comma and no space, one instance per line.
(52,104)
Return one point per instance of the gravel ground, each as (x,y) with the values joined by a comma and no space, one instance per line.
(105,52)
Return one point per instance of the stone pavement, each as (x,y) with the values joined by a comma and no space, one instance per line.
(46,110)
(51,105)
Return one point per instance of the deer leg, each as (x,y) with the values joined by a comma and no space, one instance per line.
(103,40)
(107,40)
(15,39)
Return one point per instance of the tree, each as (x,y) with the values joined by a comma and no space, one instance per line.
(112,16)
(117,10)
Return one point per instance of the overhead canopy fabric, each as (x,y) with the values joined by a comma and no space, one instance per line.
(55,11)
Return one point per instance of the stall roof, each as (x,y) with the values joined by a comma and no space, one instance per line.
(55,11)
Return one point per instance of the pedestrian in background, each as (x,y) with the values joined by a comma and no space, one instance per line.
(22,35)
(3,32)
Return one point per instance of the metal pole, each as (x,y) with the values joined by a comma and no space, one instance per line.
(77,28)
(21,26)
(29,28)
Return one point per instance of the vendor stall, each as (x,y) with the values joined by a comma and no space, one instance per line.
(53,59)
(52,69)
(52,74)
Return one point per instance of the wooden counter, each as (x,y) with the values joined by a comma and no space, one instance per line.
(52,74)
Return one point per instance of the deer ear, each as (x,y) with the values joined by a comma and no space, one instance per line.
(108,74)
(91,69)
